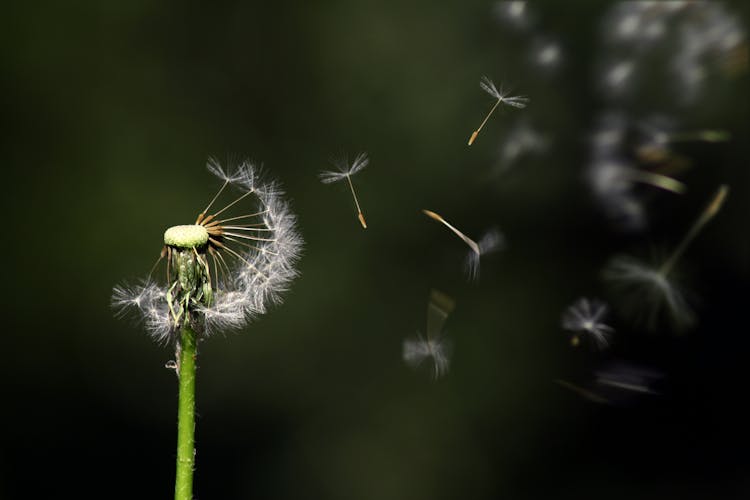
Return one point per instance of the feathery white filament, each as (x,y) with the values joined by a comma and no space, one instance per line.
(585,317)
(254,273)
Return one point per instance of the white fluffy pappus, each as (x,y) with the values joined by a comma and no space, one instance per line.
(250,259)
(585,318)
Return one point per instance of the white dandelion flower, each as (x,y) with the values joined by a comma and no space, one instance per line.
(346,171)
(434,347)
(224,269)
(650,291)
(585,317)
(491,241)
(502,97)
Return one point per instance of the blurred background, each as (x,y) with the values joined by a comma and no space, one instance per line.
(111,110)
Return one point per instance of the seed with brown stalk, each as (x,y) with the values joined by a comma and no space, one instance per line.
(502,97)
(346,171)
(491,241)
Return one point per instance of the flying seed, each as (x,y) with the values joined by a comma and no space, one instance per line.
(502,97)
(346,171)
(491,241)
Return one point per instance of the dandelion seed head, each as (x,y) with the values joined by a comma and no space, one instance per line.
(585,317)
(242,258)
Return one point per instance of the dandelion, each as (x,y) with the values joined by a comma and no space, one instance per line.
(613,176)
(522,140)
(221,271)
(648,291)
(346,171)
(433,346)
(584,317)
(502,97)
(491,241)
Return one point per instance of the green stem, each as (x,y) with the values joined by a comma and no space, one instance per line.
(183,488)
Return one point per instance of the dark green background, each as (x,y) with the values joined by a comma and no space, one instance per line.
(110,112)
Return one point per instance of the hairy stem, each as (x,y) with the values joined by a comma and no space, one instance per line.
(183,488)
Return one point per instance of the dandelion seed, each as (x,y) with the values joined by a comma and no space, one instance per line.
(522,140)
(618,76)
(584,317)
(492,241)
(546,54)
(419,349)
(346,171)
(617,383)
(628,377)
(658,135)
(513,13)
(582,391)
(439,307)
(613,176)
(609,176)
(648,291)
(434,346)
(502,97)
(239,264)
(693,36)
(516,9)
